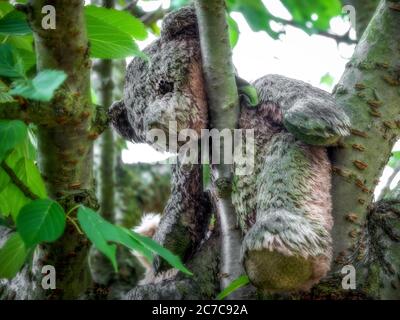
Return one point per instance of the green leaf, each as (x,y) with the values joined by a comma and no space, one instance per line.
(21,42)
(107,40)
(233,286)
(206,175)
(172,259)
(11,64)
(12,200)
(125,238)
(101,232)
(23,46)
(39,221)
(302,12)
(175,4)
(5,8)
(14,23)
(255,13)
(42,87)
(93,96)
(394,160)
(29,174)
(233,31)
(4,180)
(97,229)
(122,20)
(4,95)
(12,132)
(28,58)
(327,79)
(249,93)
(21,160)
(12,256)
(25,149)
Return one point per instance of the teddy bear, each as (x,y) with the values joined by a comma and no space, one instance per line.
(284,206)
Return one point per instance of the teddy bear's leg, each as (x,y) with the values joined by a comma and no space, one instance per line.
(186,215)
(289,246)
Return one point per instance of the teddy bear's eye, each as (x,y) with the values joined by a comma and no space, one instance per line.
(165,86)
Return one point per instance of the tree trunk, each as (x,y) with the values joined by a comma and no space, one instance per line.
(369,91)
(107,149)
(223,102)
(66,130)
(364,11)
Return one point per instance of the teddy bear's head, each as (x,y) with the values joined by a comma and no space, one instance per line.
(166,89)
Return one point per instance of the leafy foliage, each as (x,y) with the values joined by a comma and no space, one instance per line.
(4,93)
(327,79)
(11,134)
(303,12)
(233,286)
(12,256)
(20,156)
(394,160)
(41,87)
(255,13)
(41,220)
(101,232)
(14,23)
(112,33)
(29,174)
(233,31)
(11,64)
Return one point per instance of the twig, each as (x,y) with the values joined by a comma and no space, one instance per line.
(338,38)
(148,18)
(18,182)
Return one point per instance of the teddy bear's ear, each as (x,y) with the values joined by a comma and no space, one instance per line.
(180,22)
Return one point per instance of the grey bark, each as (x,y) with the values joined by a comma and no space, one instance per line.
(221,90)
(369,91)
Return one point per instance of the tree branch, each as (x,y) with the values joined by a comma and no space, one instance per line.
(338,38)
(107,153)
(364,12)
(369,92)
(223,101)
(148,18)
(202,285)
(18,182)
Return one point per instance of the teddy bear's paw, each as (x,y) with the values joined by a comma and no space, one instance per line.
(286,252)
(317,121)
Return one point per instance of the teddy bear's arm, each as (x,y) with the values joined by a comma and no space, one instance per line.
(309,113)
(186,215)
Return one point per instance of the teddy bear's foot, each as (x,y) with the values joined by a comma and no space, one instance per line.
(286,252)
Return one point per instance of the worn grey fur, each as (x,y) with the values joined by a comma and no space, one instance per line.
(284,207)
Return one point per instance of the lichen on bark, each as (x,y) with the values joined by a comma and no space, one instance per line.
(65,141)
(369,92)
